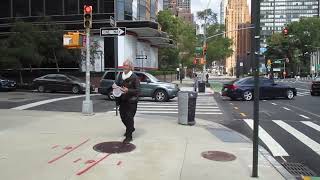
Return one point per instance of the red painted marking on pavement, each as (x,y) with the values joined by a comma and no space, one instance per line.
(75,161)
(89,167)
(90,161)
(53,147)
(55,159)
(67,147)
(119,163)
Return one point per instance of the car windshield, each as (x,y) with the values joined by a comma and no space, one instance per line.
(153,78)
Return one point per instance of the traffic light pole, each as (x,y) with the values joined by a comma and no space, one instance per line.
(255,19)
(87,107)
(204,46)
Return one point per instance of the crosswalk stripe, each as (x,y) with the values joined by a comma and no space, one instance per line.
(175,112)
(201,107)
(300,136)
(312,125)
(275,148)
(174,109)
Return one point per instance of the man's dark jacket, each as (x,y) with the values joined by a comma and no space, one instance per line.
(133,85)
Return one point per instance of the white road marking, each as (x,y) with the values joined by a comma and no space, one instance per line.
(300,136)
(306,117)
(286,108)
(27,106)
(175,112)
(312,125)
(274,104)
(275,148)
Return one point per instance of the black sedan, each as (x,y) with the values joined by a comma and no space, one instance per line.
(315,87)
(59,82)
(6,84)
(244,88)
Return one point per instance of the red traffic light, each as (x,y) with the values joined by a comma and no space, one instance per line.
(87,9)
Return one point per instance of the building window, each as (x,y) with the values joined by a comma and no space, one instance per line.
(120,10)
(128,10)
(5,8)
(20,8)
(107,6)
(54,7)
(71,6)
(37,8)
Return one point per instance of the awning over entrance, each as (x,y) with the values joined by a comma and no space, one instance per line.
(154,36)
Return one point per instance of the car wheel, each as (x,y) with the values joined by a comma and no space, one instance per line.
(247,95)
(161,96)
(41,88)
(75,90)
(111,96)
(290,94)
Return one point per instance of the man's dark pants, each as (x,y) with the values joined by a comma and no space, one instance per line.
(127,113)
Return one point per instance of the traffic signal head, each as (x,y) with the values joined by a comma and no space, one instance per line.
(87,16)
(205,50)
(285,31)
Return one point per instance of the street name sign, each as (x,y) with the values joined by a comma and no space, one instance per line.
(112,32)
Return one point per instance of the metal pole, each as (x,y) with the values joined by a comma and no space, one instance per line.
(255,19)
(87,107)
(284,68)
(116,63)
(204,45)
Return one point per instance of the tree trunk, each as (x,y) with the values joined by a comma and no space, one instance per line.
(55,60)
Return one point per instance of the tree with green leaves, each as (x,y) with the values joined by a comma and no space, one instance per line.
(184,36)
(303,38)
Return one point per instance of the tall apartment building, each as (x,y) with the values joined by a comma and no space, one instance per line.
(275,14)
(223,6)
(237,12)
(181,8)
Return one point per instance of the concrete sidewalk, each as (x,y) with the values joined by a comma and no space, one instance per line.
(38,145)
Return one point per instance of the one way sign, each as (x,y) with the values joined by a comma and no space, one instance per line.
(121,31)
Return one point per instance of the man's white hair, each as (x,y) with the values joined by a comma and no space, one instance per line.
(130,63)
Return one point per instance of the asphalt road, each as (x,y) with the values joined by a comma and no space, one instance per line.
(289,129)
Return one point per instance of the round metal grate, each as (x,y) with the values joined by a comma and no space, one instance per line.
(114,147)
(218,156)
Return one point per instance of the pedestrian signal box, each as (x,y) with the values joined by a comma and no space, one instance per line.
(73,40)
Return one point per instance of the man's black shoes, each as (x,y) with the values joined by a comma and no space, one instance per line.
(128,139)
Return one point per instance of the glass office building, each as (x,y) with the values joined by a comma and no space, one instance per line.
(275,14)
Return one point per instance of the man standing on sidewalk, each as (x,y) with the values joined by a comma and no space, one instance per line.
(129,84)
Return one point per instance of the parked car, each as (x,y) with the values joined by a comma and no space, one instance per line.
(244,88)
(60,82)
(6,84)
(150,86)
(315,87)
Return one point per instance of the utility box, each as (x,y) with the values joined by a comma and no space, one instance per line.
(201,86)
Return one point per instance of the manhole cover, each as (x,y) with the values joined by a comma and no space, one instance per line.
(218,156)
(114,147)
(298,169)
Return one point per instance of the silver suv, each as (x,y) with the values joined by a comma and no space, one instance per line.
(150,86)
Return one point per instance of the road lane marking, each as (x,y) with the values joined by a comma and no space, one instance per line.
(302,110)
(275,148)
(286,108)
(300,136)
(274,104)
(27,106)
(174,112)
(243,114)
(235,107)
(312,125)
(306,117)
